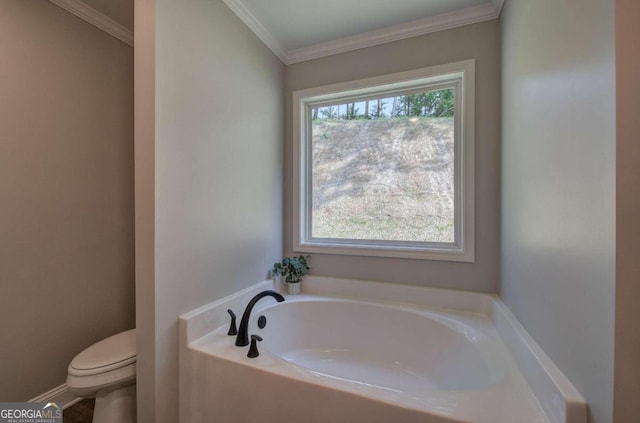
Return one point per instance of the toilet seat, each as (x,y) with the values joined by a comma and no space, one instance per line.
(109,354)
(110,363)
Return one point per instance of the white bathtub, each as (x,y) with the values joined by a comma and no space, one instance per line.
(419,355)
(381,347)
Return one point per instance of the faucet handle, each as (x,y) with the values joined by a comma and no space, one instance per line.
(232,326)
(253,349)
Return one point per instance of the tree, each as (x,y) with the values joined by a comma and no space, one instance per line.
(438,103)
(394,110)
(329,112)
(352,112)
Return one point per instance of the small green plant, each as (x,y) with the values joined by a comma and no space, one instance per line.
(292,269)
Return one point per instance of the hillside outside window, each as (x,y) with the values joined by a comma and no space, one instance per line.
(384,166)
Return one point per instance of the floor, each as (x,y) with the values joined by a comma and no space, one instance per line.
(81,412)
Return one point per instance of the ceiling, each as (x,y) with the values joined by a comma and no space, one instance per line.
(299,24)
(298,30)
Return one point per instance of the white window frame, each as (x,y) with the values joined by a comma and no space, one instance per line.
(462,74)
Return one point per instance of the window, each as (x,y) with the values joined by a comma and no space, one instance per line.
(384,166)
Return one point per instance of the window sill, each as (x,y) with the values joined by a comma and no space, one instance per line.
(440,253)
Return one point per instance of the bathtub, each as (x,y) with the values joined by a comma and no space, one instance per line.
(355,351)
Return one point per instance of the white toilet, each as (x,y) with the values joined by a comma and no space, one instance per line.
(107,371)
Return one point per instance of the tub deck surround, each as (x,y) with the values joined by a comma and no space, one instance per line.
(357,351)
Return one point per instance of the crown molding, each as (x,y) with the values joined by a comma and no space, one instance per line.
(249,19)
(484,12)
(498,5)
(97,19)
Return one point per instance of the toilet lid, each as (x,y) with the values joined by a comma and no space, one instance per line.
(109,354)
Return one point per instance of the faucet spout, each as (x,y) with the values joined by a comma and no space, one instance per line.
(243,331)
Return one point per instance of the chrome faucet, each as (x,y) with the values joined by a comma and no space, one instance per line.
(243,331)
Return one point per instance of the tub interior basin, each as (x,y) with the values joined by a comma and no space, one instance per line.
(383,346)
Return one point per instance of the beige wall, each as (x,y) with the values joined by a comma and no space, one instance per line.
(627,353)
(66,189)
(558,185)
(217,201)
(479,41)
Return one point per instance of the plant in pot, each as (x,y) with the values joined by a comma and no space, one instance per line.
(292,270)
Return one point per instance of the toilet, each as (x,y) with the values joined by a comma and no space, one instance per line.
(106,371)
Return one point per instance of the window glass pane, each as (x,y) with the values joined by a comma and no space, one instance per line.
(383,168)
